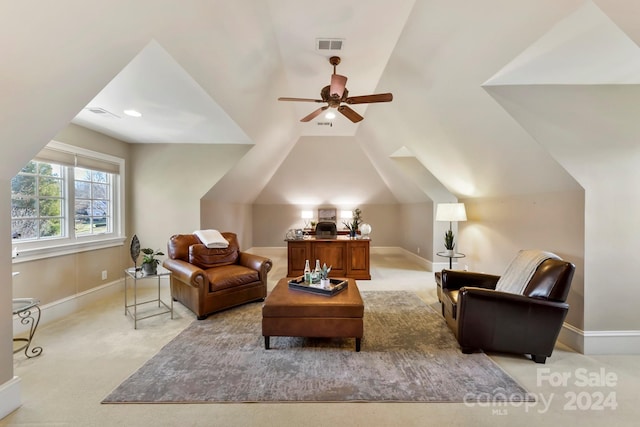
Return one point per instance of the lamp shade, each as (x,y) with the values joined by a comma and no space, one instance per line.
(346,214)
(451,212)
(306,214)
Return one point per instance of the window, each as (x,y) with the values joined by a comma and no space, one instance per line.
(65,200)
(37,201)
(92,201)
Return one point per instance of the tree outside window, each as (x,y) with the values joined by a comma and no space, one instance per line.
(40,196)
(37,201)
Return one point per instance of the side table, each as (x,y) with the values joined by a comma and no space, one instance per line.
(136,274)
(28,310)
(451,257)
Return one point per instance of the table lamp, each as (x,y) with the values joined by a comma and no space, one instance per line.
(306,216)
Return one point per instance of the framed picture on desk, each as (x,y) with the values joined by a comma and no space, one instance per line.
(327,214)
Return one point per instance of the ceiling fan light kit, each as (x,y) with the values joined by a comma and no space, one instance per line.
(336,95)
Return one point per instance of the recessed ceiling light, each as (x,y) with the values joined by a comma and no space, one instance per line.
(133,113)
(330,115)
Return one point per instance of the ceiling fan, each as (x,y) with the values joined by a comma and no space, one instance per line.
(336,94)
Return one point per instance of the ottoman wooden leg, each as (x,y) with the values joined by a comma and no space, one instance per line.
(266,343)
(357,344)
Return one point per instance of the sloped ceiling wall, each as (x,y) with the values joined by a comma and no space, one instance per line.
(576,92)
(326,171)
(440,112)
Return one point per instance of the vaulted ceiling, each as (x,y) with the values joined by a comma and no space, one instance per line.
(491,97)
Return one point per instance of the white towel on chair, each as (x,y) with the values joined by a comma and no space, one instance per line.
(212,238)
(517,275)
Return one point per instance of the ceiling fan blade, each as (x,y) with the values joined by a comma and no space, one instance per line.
(300,99)
(366,99)
(338,83)
(350,114)
(313,115)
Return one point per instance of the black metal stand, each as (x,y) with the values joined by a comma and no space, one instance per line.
(24,308)
(451,257)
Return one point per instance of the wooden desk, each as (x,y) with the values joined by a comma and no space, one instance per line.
(347,257)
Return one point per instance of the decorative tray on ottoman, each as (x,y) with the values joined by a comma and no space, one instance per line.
(335,286)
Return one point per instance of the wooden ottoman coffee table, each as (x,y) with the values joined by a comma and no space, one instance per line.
(292,313)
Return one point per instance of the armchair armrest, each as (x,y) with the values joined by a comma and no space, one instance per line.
(185,272)
(495,320)
(521,303)
(256,262)
(455,279)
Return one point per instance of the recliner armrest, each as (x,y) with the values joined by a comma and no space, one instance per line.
(456,279)
(490,296)
(185,272)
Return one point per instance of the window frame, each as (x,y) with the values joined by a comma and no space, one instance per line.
(29,250)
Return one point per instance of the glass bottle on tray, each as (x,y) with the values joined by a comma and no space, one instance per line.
(307,272)
(316,273)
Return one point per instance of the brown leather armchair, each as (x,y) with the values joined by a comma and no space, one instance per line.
(208,280)
(483,318)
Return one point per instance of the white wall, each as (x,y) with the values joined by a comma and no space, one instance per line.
(168,181)
(6,323)
(416,229)
(497,228)
(233,217)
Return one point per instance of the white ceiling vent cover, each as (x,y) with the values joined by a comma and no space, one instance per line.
(101,112)
(329,44)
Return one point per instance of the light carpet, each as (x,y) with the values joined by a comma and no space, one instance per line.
(408,355)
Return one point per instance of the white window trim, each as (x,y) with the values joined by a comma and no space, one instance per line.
(46,248)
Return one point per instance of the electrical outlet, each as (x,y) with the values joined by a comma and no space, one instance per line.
(104,274)
(418,249)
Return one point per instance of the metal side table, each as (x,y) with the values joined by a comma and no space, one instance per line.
(131,309)
(28,310)
(451,257)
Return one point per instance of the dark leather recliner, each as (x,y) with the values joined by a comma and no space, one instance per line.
(483,318)
(207,280)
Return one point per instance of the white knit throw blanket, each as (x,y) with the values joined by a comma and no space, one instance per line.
(517,275)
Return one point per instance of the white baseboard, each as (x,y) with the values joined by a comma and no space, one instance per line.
(428,265)
(10,397)
(600,342)
(67,306)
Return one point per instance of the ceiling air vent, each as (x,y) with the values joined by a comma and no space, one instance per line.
(329,44)
(101,112)
(330,124)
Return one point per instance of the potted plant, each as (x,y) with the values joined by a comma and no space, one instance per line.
(150,262)
(356,220)
(448,243)
(324,275)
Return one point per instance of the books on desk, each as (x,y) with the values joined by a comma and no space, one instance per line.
(334,287)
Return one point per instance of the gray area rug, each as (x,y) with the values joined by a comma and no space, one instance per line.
(408,355)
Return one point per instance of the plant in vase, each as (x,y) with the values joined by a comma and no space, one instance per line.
(449,245)
(150,262)
(324,275)
(356,220)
